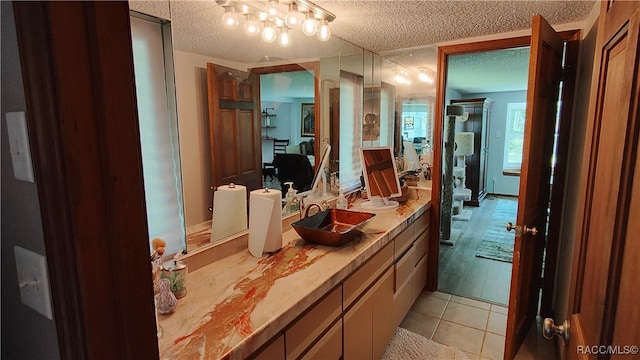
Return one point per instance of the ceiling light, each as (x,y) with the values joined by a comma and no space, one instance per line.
(230,18)
(285,37)
(402,77)
(426,75)
(272,7)
(272,17)
(269,33)
(324,33)
(251,26)
(310,25)
(294,17)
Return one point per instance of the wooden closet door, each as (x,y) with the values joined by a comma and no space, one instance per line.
(604,286)
(234,127)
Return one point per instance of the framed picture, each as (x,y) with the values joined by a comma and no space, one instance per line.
(408,123)
(308,119)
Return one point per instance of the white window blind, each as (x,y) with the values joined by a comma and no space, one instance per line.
(158,134)
(351,102)
(514,135)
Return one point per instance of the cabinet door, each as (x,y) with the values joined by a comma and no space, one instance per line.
(383,320)
(358,322)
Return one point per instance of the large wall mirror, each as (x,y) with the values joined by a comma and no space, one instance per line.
(349,90)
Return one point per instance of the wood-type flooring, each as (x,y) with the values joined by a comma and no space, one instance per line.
(462,273)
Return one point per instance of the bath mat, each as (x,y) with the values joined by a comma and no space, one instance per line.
(407,345)
(497,242)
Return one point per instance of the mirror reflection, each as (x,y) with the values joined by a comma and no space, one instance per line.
(351,94)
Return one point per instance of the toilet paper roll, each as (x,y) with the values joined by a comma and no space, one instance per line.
(265,221)
(229,211)
(464,142)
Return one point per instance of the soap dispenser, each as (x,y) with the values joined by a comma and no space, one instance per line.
(291,201)
(341,202)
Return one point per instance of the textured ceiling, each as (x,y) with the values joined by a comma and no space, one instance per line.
(406,32)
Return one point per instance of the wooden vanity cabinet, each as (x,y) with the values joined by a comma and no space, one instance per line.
(309,328)
(357,319)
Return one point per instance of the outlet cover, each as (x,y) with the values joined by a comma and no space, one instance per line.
(33,280)
(19,146)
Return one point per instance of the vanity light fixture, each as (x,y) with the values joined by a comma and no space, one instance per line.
(294,17)
(310,24)
(272,7)
(402,77)
(285,37)
(230,19)
(426,75)
(278,16)
(268,33)
(324,33)
(251,25)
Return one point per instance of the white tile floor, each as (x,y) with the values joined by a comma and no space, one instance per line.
(478,328)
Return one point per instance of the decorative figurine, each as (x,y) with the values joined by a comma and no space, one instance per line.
(167,302)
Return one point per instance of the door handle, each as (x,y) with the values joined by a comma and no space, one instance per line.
(522,229)
(549,329)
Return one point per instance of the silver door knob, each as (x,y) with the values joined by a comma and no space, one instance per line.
(549,329)
(522,229)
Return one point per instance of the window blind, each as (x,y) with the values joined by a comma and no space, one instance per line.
(158,134)
(351,115)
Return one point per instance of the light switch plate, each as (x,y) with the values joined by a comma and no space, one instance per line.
(33,281)
(19,146)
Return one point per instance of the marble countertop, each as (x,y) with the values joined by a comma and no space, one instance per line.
(236,304)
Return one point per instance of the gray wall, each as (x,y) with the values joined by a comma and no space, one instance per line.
(503,185)
(25,333)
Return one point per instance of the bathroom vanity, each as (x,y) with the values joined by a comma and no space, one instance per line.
(305,301)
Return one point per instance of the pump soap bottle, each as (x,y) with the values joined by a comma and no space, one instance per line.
(291,200)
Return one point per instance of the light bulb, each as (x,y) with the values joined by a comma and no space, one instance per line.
(230,18)
(272,7)
(251,26)
(310,25)
(425,77)
(294,18)
(324,33)
(269,33)
(285,37)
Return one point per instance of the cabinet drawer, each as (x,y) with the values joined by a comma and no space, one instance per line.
(403,241)
(329,346)
(404,268)
(421,244)
(314,322)
(419,277)
(362,278)
(422,222)
(273,351)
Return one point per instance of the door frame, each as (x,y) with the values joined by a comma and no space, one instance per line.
(313,67)
(557,200)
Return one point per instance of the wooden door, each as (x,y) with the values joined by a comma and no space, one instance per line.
(545,67)
(334,126)
(234,127)
(604,295)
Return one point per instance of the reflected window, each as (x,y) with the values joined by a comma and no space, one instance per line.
(351,100)
(158,134)
(514,135)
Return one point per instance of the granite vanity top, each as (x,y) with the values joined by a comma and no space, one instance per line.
(236,304)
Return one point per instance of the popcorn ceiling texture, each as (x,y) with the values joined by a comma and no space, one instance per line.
(405,32)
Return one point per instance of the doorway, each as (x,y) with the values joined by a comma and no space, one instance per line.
(476,251)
